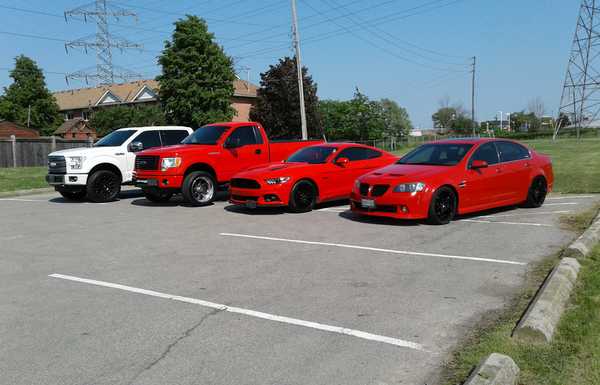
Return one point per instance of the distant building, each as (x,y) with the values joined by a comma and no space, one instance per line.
(419,132)
(76,128)
(81,103)
(10,128)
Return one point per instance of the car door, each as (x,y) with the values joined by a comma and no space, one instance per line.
(242,149)
(516,163)
(359,164)
(482,187)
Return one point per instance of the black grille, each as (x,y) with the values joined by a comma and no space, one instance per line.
(364,189)
(146,162)
(245,183)
(379,189)
(57,165)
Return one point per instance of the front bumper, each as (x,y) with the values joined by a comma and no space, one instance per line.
(275,196)
(66,179)
(158,181)
(393,205)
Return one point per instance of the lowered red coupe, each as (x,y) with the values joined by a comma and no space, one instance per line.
(439,180)
(313,174)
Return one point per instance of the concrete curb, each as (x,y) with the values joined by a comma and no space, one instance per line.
(20,193)
(586,242)
(541,318)
(496,369)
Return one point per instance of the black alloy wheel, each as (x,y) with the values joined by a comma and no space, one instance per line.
(443,206)
(303,197)
(537,193)
(103,186)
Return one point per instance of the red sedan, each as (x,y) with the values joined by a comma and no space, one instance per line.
(439,180)
(311,175)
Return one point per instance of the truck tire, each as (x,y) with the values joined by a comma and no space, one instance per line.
(103,186)
(157,195)
(199,188)
(303,197)
(72,195)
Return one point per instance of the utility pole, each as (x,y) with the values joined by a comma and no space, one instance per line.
(473,94)
(296,37)
(28,115)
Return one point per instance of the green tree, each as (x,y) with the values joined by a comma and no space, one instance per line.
(278,105)
(396,119)
(453,119)
(522,121)
(196,84)
(111,118)
(28,96)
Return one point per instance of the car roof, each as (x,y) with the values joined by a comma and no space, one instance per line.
(151,128)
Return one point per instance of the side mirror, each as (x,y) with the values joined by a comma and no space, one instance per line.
(342,162)
(136,146)
(478,164)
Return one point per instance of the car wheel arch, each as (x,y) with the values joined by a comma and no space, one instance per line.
(454,189)
(107,167)
(311,181)
(201,167)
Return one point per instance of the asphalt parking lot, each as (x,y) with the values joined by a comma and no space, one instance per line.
(131,292)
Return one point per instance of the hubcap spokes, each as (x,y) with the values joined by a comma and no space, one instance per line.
(304,197)
(202,190)
(444,206)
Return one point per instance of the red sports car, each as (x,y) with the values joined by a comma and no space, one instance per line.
(439,180)
(313,174)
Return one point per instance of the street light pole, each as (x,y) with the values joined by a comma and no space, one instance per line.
(501,121)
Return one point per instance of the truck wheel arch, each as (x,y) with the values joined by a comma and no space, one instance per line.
(201,167)
(107,167)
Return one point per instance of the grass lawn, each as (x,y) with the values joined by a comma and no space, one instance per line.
(22,178)
(573,357)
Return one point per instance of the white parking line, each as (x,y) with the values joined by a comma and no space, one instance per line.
(570,197)
(501,261)
(528,213)
(22,200)
(561,204)
(506,223)
(334,209)
(251,313)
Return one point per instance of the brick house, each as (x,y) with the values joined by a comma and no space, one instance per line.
(10,128)
(81,103)
(76,128)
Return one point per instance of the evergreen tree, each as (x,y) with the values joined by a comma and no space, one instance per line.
(196,84)
(278,104)
(28,96)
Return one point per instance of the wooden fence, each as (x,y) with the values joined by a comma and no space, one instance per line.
(34,152)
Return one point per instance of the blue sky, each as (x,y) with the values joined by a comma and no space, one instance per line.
(412,51)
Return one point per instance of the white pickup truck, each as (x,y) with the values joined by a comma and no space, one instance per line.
(98,172)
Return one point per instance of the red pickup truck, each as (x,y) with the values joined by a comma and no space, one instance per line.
(206,160)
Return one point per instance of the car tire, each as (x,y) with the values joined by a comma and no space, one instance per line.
(536,195)
(443,206)
(199,188)
(157,195)
(103,186)
(303,197)
(73,195)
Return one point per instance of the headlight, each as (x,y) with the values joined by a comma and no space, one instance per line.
(409,187)
(279,180)
(76,162)
(168,163)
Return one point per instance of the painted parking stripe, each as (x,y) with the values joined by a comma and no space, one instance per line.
(570,197)
(529,213)
(561,204)
(506,223)
(334,209)
(22,200)
(389,251)
(250,313)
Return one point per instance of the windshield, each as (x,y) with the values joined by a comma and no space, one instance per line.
(206,135)
(312,155)
(115,138)
(447,154)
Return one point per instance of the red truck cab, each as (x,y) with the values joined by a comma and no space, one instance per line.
(206,160)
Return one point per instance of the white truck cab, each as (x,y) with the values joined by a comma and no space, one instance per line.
(98,172)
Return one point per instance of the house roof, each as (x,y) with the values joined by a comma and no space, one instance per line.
(71,124)
(130,92)
(8,128)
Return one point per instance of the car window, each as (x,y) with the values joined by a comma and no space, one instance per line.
(207,135)
(172,137)
(148,139)
(358,153)
(115,138)
(511,151)
(486,152)
(242,136)
(312,155)
(437,154)
(258,135)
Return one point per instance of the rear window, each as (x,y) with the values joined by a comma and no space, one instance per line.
(359,153)
(511,151)
(172,137)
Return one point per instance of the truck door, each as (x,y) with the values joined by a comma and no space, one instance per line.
(149,139)
(242,149)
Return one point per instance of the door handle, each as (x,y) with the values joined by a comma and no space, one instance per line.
(258,151)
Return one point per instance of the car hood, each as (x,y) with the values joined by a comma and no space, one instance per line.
(274,170)
(405,173)
(181,149)
(86,151)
